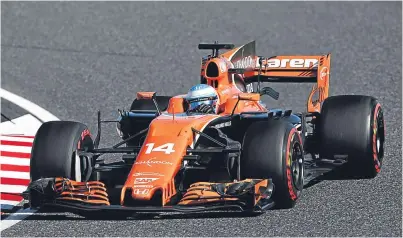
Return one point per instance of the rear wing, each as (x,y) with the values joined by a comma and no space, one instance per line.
(295,69)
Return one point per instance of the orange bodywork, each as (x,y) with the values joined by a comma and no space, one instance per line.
(305,68)
(160,158)
(145,95)
(170,134)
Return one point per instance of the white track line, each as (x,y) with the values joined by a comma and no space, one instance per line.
(14,161)
(7,204)
(31,107)
(44,116)
(5,188)
(13,174)
(26,124)
(16,217)
(13,148)
(18,139)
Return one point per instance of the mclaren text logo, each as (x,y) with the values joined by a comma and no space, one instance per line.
(144,180)
(151,162)
(292,63)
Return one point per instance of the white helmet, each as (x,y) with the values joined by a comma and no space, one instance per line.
(202,94)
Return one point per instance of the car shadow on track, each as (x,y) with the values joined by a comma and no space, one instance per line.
(40,216)
(343,172)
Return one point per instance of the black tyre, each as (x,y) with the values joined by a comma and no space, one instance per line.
(274,150)
(353,125)
(54,147)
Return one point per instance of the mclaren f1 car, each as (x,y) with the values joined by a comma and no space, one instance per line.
(246,156)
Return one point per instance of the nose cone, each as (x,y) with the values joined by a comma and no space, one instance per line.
(152,177)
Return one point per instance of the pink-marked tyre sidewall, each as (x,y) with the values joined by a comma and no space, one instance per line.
(274,149)
(353,125)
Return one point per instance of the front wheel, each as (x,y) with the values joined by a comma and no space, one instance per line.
(54,154)
(54,151)
(274,149)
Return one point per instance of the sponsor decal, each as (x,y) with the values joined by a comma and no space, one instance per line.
(221,125)
(143,186)
(144,180)
(226,91)
(182,116)
(140,191)
(152,162)
(167,148)
(244,62)
(292,63)
(147,174)
(323,73)
(249,88)
(223,66)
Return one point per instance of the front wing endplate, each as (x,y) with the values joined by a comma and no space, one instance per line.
(248,191)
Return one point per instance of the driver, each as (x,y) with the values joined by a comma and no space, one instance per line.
(202,98)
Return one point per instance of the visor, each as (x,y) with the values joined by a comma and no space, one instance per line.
(193,103)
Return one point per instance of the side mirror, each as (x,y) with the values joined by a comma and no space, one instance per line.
(149,96)
(249,96)
(146,95)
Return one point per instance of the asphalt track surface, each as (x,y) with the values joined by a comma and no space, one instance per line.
(74,58)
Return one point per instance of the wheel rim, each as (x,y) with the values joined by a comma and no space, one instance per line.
(297,166)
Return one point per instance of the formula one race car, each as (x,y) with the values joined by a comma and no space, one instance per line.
(239,156)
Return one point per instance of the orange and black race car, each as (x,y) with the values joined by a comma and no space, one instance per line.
(216,147)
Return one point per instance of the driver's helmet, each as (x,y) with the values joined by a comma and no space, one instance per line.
(202,94)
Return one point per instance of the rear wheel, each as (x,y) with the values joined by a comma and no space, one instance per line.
(274,150)
(353,125)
